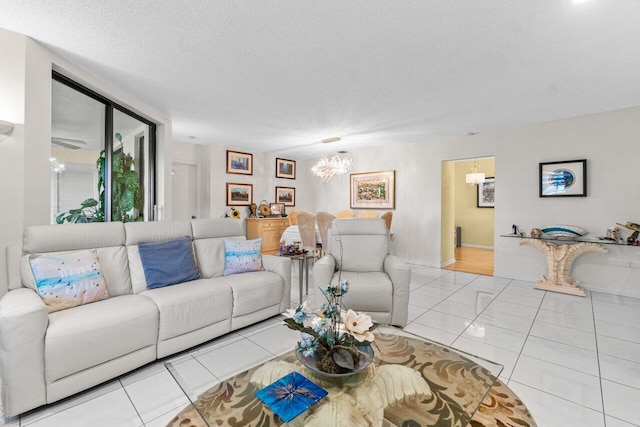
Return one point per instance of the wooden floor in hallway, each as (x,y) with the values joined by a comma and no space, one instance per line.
(473,260)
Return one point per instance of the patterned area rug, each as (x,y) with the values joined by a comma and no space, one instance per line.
(457,385)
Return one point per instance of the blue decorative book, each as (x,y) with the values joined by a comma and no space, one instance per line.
(290,396)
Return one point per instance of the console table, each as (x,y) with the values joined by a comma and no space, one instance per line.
(560,254)
(270,229)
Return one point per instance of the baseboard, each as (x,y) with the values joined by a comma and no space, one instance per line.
(477,246)
(451,261)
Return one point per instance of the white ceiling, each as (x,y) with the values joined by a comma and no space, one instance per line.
(280,76)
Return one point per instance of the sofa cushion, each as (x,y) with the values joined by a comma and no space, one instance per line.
(254,291)
(168,263)
(71,237)
(190,306)
(88,335)
(210,256)
(208,240)
(155,231)
(66,280)
(371,291)
(242,256)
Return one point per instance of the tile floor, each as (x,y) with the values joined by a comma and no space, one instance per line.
(574,361)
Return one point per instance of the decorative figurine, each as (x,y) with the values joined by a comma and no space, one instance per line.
(633,239)
(517,231)
(253,207)
(536,233)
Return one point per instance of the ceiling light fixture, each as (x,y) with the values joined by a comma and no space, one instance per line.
(327,168)
(5,127)
(334,139)
(475,177)
(73,144)
(56,166)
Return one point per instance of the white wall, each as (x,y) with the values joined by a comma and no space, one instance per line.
(213,160)
(609,141)
(12,76)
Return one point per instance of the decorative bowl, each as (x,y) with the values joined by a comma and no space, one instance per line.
(364,361)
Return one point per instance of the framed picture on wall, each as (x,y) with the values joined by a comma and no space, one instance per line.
(486,193)
(285,169)
(239,163)
(373,190)
(286,196)
(239,194)
(563,179)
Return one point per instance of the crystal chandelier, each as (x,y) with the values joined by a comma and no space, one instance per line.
(327,168)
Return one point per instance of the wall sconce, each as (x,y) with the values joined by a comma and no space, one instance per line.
(5,127)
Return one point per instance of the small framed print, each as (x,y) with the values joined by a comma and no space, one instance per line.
(285,169)
(239,194)
(286,195)
(486,193)
(563,179)
(239,163)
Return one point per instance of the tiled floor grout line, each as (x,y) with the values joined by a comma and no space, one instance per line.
(526,338)
(595,333)
(132,404)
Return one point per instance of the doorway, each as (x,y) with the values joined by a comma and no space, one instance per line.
(467,216)
(185,181)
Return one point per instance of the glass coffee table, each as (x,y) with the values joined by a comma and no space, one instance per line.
(458,382)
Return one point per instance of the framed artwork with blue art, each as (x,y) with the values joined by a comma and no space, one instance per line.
(563,179)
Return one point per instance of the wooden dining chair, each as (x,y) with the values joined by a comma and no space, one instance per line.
(293,217)
(307,227)
(324,220)
(367,214)
(345,214)
(388,216)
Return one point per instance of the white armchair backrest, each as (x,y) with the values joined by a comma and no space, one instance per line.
(359,245)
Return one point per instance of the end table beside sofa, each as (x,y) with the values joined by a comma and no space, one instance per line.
(45,357)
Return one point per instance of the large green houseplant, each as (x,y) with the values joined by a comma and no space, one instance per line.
(126,190)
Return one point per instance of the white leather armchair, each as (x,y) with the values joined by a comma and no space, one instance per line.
(378,282)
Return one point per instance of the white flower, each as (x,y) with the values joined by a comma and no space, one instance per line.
(291,312)
(320,324)
(357,325)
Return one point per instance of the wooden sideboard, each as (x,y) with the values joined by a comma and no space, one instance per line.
(270,229)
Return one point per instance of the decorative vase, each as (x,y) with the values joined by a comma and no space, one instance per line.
(312,362)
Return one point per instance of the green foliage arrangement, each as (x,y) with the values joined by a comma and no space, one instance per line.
(127,193)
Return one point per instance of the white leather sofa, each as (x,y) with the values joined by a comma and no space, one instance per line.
(46,356)
(358,251)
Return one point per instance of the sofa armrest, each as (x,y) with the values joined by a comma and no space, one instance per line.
(323,271)
(281,266)
(23,323)
(400,275)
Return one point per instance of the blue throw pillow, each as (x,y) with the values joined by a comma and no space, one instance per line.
(242,256)
(168,263)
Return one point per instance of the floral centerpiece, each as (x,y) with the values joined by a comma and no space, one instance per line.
(333,337)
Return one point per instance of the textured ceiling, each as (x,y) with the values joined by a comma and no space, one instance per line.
(280,76)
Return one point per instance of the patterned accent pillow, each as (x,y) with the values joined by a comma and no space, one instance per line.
(66,280)
(242,256)
(563,230)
